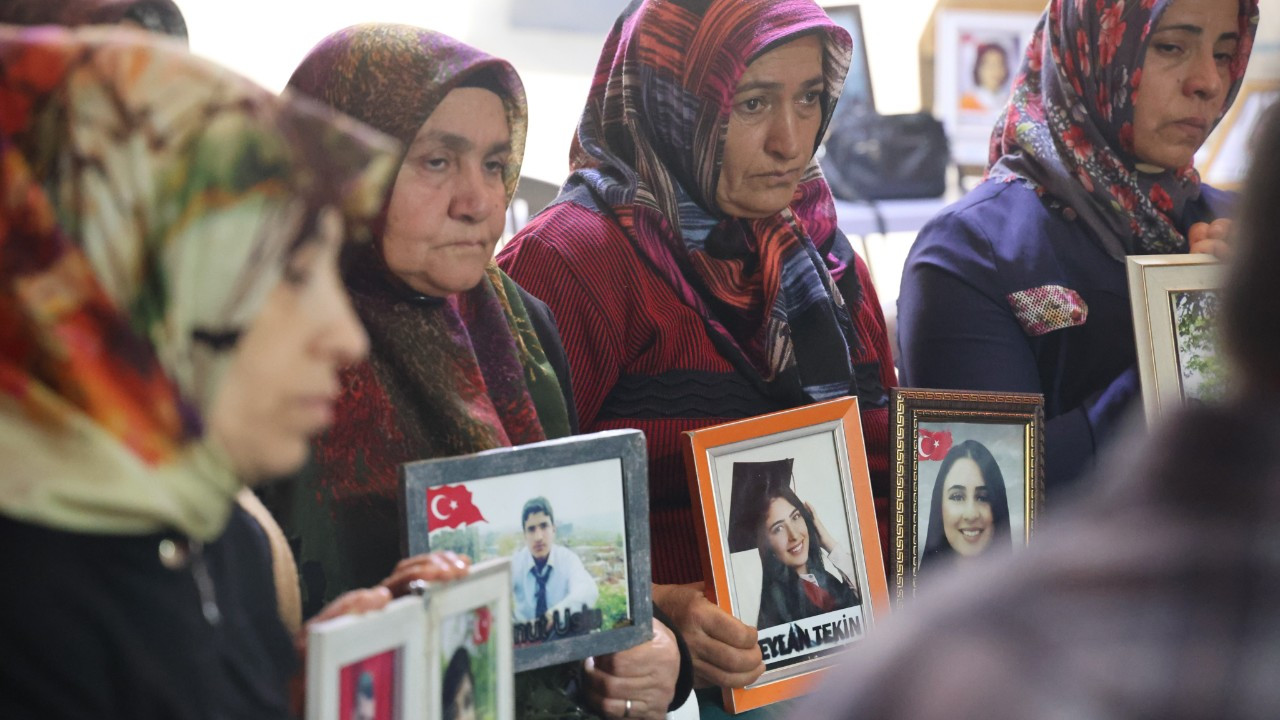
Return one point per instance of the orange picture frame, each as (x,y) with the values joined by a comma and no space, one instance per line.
(807,432)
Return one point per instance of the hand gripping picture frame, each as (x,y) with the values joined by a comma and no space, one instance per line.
(370,665)
(968,478)
(789,538)
(571,514)
(1174,300)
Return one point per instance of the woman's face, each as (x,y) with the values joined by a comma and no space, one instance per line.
(1185,79)
(966,508)
(786,534)
(449,204)
(464,703)
(992,70)
(777,110)
(282,381)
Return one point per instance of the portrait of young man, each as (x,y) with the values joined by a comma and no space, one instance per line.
(547,577)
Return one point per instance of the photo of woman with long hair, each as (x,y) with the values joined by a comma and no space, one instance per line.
(794,546)
(969,510)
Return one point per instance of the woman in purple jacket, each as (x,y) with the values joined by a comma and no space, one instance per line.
(1021,285)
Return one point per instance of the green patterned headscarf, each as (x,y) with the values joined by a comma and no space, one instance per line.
(148,203)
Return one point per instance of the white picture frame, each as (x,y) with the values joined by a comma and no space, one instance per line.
(1155,284)
(958,37)
(335,648)
(487,586)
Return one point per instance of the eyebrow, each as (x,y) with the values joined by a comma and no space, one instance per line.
(768,85)
(460,144)
(1196,30)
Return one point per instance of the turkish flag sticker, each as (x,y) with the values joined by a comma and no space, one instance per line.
(934,445)
(450,506)
(480,633)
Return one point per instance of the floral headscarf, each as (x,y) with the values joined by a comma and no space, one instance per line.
(1068,128)
(648,153)
(444,377)
(148,203)
(159,16)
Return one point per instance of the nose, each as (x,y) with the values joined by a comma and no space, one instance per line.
(783,141)
(1204,77)
(470,203)
(971,509)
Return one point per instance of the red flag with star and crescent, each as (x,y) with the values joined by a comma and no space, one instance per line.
(934,445)
(480,633)
(450,506)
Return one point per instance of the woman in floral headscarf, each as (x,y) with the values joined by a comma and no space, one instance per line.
(694,265)
(1021,285)
(172,324)
(462,359)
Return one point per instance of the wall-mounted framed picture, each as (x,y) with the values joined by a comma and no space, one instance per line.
(789,538)
(1230,147)
(369,666)
(976,56)
(968,474)
(469,649)
(571,514)
(1175,304)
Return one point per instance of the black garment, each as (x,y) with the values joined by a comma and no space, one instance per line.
(95,627)
(783,599)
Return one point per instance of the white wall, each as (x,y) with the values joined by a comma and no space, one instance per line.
(265,39)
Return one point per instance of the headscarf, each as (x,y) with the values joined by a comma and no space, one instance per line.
(1068,128)
(148,204)
(648,153)
(158,16)
(444,377)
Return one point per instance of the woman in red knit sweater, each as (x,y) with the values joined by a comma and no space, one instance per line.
(693,262)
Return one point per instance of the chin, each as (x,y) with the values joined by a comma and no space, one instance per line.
(280,462)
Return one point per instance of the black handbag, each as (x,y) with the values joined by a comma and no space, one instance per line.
(884,157)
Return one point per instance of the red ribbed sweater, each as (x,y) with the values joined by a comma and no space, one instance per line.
(619,320)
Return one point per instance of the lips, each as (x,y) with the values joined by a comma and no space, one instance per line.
(796,549)
(972,534)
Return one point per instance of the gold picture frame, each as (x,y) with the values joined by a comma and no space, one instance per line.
(1006,429)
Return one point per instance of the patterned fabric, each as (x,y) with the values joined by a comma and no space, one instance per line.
(160,16)
(1041,310)
(1068,128)
(648,153)
(148,204)
(444,377)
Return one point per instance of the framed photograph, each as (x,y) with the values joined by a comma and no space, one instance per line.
(572,515)
(976,56)
(1175,304)
(368,666)
(968,475)
(469,651)
(1231,146)
(790,542)
(857,95)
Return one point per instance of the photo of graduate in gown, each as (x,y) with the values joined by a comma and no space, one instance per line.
(805,572)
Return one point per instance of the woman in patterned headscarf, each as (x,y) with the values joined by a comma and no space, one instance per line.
(1021,285)
(693,260)
(462,359)
(171,327)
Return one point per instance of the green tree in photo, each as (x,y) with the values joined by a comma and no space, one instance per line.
(1203,374)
